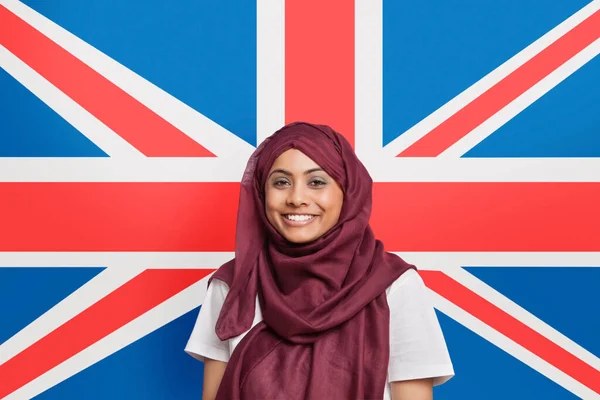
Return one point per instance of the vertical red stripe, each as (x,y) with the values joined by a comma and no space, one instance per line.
(319,63)
(125,304)
(512,328)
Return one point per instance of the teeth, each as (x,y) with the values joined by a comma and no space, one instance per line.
(298,217)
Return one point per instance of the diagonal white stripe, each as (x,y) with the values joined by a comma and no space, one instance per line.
(447,110)
(101,135)
(95,289)
(270,67)
(512,348)
(499,300)
(472,139)
(215,138)
(169,310)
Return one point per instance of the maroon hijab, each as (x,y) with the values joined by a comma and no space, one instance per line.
(325,328)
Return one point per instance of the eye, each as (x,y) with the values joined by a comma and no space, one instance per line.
(280,182)
(317,182)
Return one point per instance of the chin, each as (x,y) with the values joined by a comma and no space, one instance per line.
(300,239)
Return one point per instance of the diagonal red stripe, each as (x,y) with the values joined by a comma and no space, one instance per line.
(319,63)
(507,90)
(512,328)
(432,216)
(125,304)
(130,119)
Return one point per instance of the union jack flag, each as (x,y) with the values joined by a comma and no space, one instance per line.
(125,127)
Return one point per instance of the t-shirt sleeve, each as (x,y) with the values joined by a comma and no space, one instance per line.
(417,346)
(203,341)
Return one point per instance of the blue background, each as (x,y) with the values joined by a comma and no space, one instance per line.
(434,50)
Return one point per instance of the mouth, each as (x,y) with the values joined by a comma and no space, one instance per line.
(298,219)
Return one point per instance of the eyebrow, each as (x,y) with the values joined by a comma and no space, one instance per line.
(288,173)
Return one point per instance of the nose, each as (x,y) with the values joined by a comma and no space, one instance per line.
(297,196)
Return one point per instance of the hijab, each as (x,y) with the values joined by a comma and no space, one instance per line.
(325,327)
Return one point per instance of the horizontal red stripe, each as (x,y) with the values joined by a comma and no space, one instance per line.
(118,216)
(128,302)
(130,119)
(512,328)
(201,216)
(319,63)
(487,216)
(507,90)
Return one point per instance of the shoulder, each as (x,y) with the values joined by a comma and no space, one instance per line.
(218,288)
(203,342)
(225,273)
(409,295)
(417,346)
(410,278)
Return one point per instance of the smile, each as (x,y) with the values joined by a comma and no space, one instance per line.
(298,219)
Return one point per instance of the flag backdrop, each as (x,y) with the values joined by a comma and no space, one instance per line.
(125,125)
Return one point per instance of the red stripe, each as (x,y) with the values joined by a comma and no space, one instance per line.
(118,216)
(507,90)
(201,216)
(144,292)
(319,63)
(137,124)
(487,216)
(512,328)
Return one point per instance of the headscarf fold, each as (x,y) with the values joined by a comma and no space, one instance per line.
(325,328)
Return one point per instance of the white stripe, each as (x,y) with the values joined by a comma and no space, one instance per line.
(447,110)
(215,138)
(124,260)
(485,169)
(368,80)
(92,291)
(270,67)
(231,170)
(511,308)
(184,169)
(428,260)
(169,310)
(101,135)
(444,261)
(473,138)
(512,348)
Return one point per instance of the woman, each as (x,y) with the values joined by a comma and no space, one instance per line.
(312,307)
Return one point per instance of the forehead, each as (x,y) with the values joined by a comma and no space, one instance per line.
(293,160)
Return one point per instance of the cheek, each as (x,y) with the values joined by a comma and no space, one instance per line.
(272,201)
(332,201)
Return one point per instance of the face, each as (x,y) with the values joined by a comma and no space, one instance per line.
(302,201)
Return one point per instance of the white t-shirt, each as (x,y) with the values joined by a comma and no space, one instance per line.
(417,345)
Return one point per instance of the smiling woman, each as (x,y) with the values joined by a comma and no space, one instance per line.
(302,200)
(312,306)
